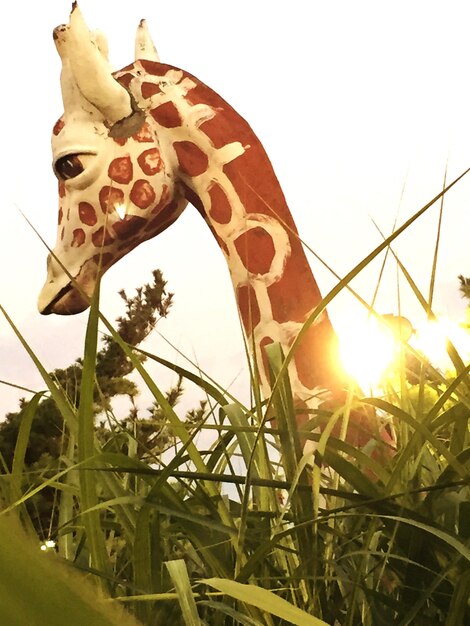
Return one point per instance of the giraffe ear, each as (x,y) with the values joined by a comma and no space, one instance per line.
(86,73)
(144,46)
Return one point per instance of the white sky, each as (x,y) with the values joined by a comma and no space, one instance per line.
(358,104)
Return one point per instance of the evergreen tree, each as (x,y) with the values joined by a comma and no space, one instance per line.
(465,287)
(48,438)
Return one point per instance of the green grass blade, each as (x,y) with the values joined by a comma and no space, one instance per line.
(459,604)
(86,445)
(210,389)
(18,465)
(53,481)
(38,589)
(424,431)
(69,414)
(179,576)
(442,535)
(27,416)
(147,558)
(451,350)
(246,439)
(66,508)
(178,426)
(237,616)
(282,400)
(264,600)
(432,280)
(57,393)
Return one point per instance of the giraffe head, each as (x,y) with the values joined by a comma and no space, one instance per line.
(115,186)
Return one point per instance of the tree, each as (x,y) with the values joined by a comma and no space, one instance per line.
(48,437)
(465,287)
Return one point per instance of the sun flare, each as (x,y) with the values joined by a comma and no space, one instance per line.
(431,339)
(367,349)
(121,210)
(371,347)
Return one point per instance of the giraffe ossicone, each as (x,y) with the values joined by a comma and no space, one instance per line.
(131,150)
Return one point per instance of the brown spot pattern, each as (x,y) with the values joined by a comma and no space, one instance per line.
(104,260)
(101,237)
(317,359)
(87,214)
(142,194)
(128,226)
(120,140)
(78,238)
(61,216)
(167,115)
(125,80)
(110,197)
(129,244)
(150,161)
(251,173)
(58,126)
(61,189)
(223,246)
(192,197)
(289,303)
(164,198)
(120,170)
(165,217)
(214,132)
(192,160)
(256,250)
(248,306)
(150,89)
(144,134)
(265,341)
(220,211)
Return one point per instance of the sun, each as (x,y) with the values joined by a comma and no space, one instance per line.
(371,347)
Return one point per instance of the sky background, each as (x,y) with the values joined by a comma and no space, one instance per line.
(360,105)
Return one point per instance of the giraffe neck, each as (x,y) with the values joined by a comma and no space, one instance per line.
(224,171)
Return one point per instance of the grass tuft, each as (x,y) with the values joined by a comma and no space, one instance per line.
(252,528)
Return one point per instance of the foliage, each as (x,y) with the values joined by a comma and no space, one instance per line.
(112,367)
(250,527)
(48,438)
(465,287)
(54,591)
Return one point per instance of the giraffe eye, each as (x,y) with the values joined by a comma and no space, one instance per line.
(69,166)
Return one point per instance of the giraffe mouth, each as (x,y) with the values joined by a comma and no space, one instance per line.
(72,297)
(68,301)
(49,308)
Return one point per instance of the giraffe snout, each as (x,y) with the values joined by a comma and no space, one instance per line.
(67,293)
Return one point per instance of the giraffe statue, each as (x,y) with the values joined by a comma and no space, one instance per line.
(130,151)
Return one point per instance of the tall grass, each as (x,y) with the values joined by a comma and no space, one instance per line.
(251,530)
